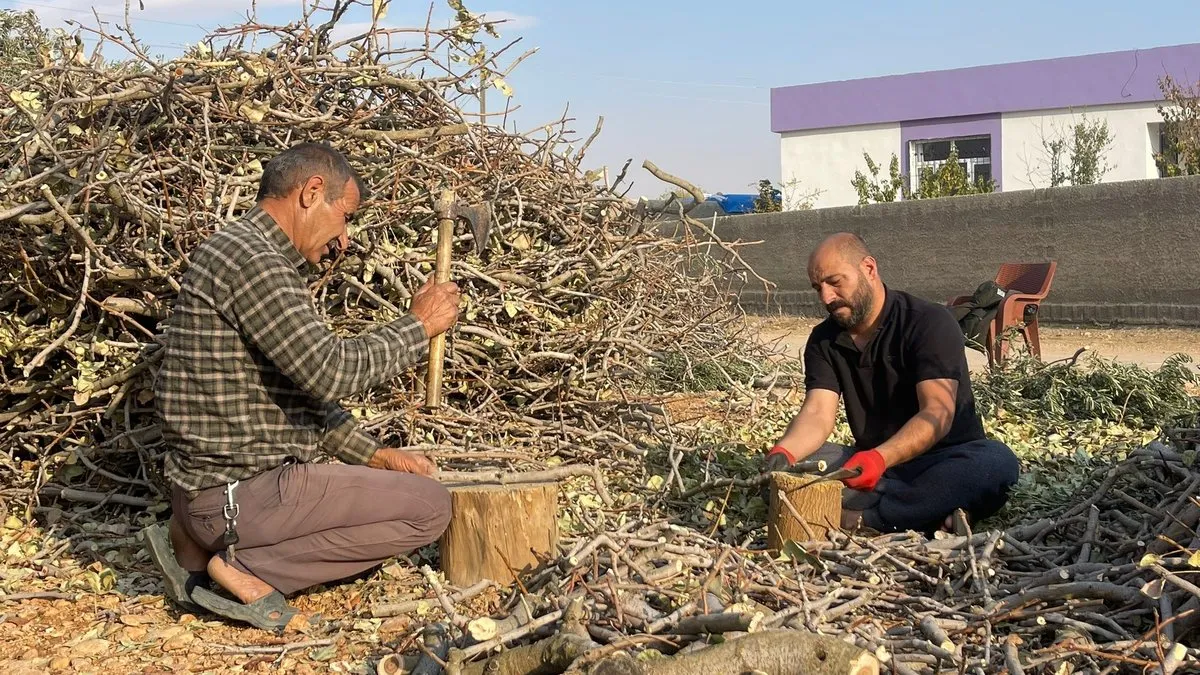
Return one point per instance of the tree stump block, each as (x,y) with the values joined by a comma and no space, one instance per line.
(497,531)
(819,504)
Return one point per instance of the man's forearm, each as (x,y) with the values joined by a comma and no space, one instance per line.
(914,438)
(359,363)
(803,437)
(379,458)
(271,306)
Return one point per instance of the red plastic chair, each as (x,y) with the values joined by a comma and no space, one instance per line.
(1027,284)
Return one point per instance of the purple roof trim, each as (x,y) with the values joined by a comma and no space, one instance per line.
(1091,80)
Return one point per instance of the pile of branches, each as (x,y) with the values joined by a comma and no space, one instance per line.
(1071,390)
(117,170)
(1107,587)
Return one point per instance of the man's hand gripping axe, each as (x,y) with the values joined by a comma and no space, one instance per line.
(479,216)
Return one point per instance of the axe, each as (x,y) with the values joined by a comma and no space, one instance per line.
(479,216)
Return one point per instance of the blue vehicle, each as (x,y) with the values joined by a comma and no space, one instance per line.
(718,204)
(738,203)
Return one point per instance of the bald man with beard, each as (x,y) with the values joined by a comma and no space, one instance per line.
(899,364)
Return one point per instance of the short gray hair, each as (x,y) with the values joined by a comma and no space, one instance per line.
(289,169)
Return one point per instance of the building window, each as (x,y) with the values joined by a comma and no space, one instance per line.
(1165,156)
(974,156)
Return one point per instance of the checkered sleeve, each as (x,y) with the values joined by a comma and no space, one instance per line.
(271,306)
(344,438)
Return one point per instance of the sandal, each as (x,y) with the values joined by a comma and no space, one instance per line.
(179,582)
(270,612)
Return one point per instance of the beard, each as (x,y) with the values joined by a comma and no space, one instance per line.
(859,305)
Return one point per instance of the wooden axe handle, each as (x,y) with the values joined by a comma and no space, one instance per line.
(437,344)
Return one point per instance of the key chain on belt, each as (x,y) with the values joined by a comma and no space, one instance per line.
(231,511)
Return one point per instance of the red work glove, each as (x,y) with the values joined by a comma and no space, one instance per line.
(872,465)
(778,459)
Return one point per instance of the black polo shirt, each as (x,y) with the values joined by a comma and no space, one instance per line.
(917,340)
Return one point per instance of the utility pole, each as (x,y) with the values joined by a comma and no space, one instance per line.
(483,85)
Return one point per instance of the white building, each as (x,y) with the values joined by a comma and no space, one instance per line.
(998,116)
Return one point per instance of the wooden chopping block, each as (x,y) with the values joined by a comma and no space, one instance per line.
(819,504)
(496,530)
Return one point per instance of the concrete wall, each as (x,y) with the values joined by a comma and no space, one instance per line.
(826,160)
(1134,130)
(1126,252)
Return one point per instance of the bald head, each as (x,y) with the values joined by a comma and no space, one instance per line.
(845,247)
(846,277)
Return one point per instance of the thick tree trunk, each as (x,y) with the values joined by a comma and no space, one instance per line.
(819,505)
(497,531)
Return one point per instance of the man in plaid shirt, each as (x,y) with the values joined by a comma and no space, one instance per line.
(247,397)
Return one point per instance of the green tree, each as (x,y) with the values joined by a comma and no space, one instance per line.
(949,180)
(874,189)
(1180,110)
(23,44)
(768,200)
(1085,151)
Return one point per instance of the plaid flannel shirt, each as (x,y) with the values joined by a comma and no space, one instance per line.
(251,375)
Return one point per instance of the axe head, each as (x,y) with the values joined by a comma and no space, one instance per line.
(479,216)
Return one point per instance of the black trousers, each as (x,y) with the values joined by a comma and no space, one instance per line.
(919,494)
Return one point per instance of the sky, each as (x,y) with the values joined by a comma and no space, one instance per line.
(687,84)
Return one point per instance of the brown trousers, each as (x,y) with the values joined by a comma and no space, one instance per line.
(305,524)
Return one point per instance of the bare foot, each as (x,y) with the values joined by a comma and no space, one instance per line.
(246,587)
(956,523)
(188,553)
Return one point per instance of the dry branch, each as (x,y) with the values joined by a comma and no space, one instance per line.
(551,655)
(780,652)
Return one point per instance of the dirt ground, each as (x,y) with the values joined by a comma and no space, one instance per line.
(122,630)
(1145,346)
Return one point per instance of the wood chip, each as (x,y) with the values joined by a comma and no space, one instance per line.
(93,647)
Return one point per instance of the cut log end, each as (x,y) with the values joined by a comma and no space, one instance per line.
(819,505)
(499,532)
